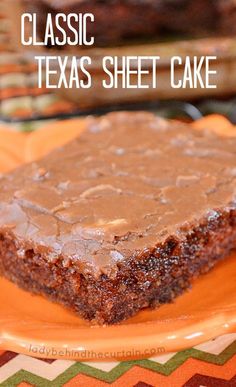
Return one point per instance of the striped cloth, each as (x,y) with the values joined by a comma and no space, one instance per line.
(212,364)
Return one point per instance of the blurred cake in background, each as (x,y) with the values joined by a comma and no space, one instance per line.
(118,21)
(135,28)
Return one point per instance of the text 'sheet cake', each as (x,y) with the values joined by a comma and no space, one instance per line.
(122,218)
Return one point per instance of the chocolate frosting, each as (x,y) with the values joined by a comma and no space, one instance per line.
(123,187)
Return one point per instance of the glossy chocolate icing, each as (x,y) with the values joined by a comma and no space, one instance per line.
(126,185)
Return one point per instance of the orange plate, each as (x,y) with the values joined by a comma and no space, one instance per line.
(37,327)
(34,326)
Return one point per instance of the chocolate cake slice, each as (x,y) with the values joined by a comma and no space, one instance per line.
(122,218)
(119,21)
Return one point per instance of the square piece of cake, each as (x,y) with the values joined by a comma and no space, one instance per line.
(122,218)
